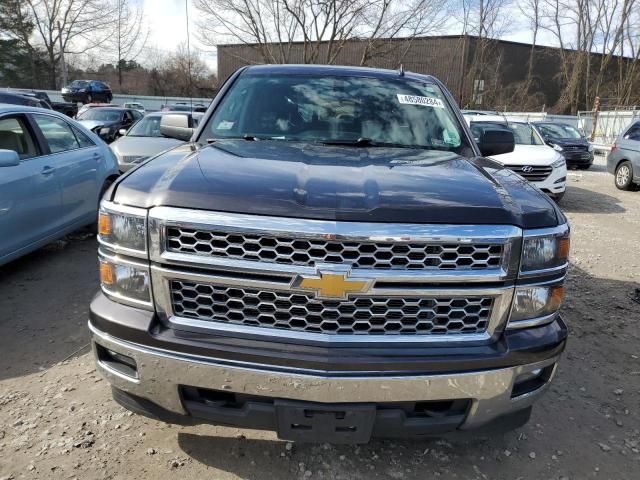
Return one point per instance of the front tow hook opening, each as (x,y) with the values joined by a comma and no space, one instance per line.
(116,362)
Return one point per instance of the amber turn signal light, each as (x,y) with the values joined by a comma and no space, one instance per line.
(104,224)
(106,273)
(563,247)
(556,297)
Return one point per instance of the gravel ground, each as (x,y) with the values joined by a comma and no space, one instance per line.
(57,420)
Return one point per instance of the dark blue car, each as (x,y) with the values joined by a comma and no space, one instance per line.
(87,91)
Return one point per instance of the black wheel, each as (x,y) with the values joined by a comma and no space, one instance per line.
(624,176)
(558,196)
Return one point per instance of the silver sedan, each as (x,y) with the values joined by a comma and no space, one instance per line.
(144,140)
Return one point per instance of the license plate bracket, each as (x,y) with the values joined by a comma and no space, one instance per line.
(319,423)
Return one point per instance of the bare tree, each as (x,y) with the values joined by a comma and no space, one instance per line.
(269,28)
(386,20)
(130,34)
(69,27)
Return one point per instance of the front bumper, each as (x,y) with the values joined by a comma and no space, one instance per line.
(578,159)
(483,376)
(555,183)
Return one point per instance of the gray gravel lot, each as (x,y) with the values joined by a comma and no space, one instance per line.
(57,420)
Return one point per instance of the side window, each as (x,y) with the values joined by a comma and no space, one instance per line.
(14,135)
(128,118)
(137,115)
(57,133)
(83,140)
(633,133)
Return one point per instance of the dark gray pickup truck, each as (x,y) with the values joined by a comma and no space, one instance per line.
(332,258)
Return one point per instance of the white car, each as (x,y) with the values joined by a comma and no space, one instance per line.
(531,158)
(135,106)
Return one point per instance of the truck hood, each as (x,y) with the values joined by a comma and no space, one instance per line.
(529,155)
(304,180)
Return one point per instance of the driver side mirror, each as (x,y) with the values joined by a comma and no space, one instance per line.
(9,158)
(176,126)
(496,142)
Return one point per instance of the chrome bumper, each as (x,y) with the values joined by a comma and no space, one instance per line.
(160,373)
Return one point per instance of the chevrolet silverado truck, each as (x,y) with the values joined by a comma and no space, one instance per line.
(330,257)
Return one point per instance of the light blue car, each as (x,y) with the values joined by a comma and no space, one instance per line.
(53,172)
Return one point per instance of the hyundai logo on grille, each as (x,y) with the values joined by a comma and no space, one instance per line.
(527,169)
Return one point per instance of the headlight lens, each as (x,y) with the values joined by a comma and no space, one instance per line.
(557,148)
(544,251)
(125,281)
(532,304)
(560,162)
(590,148)
(105,131)
(123,228)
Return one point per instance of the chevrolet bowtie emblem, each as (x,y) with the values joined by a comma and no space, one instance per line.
(335,285)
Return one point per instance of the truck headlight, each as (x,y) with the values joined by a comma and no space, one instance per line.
(590,148)
(125,281)
(123,229)
(122,234)
(545,249)
(535,305)
(557,148)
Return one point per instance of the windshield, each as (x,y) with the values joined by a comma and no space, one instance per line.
(147,127)
(101,114)
(79,83)
(524,134)
(359,111)
(556,130)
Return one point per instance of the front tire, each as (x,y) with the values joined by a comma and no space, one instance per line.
(624,176)
(558,196)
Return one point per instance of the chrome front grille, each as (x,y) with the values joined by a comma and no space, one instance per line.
(331,281)
(359,315)
(531,173)
(402,255)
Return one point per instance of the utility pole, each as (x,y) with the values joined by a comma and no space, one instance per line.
(65,79)
(119,46)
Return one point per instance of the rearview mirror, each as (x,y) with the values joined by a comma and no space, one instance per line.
(9,158)
(496,142)
(176,126)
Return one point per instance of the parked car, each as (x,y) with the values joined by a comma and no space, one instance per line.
(87,91)
(19,99)
(88,106)
(108,121)
(52,174)
(185,107)
(623,160)
(331,257)
(144,139)
(135,106)
(568,141)
(68,108)
(531,158)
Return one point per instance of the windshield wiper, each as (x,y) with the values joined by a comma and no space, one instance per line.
(367,142)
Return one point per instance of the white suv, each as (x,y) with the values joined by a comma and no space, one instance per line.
(531,158)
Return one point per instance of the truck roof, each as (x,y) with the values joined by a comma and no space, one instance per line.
(335,70)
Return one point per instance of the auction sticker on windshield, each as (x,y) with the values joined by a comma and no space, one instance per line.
(418,100)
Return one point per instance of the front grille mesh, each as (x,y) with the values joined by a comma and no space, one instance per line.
(305,313)
(377,255)
(537,174)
